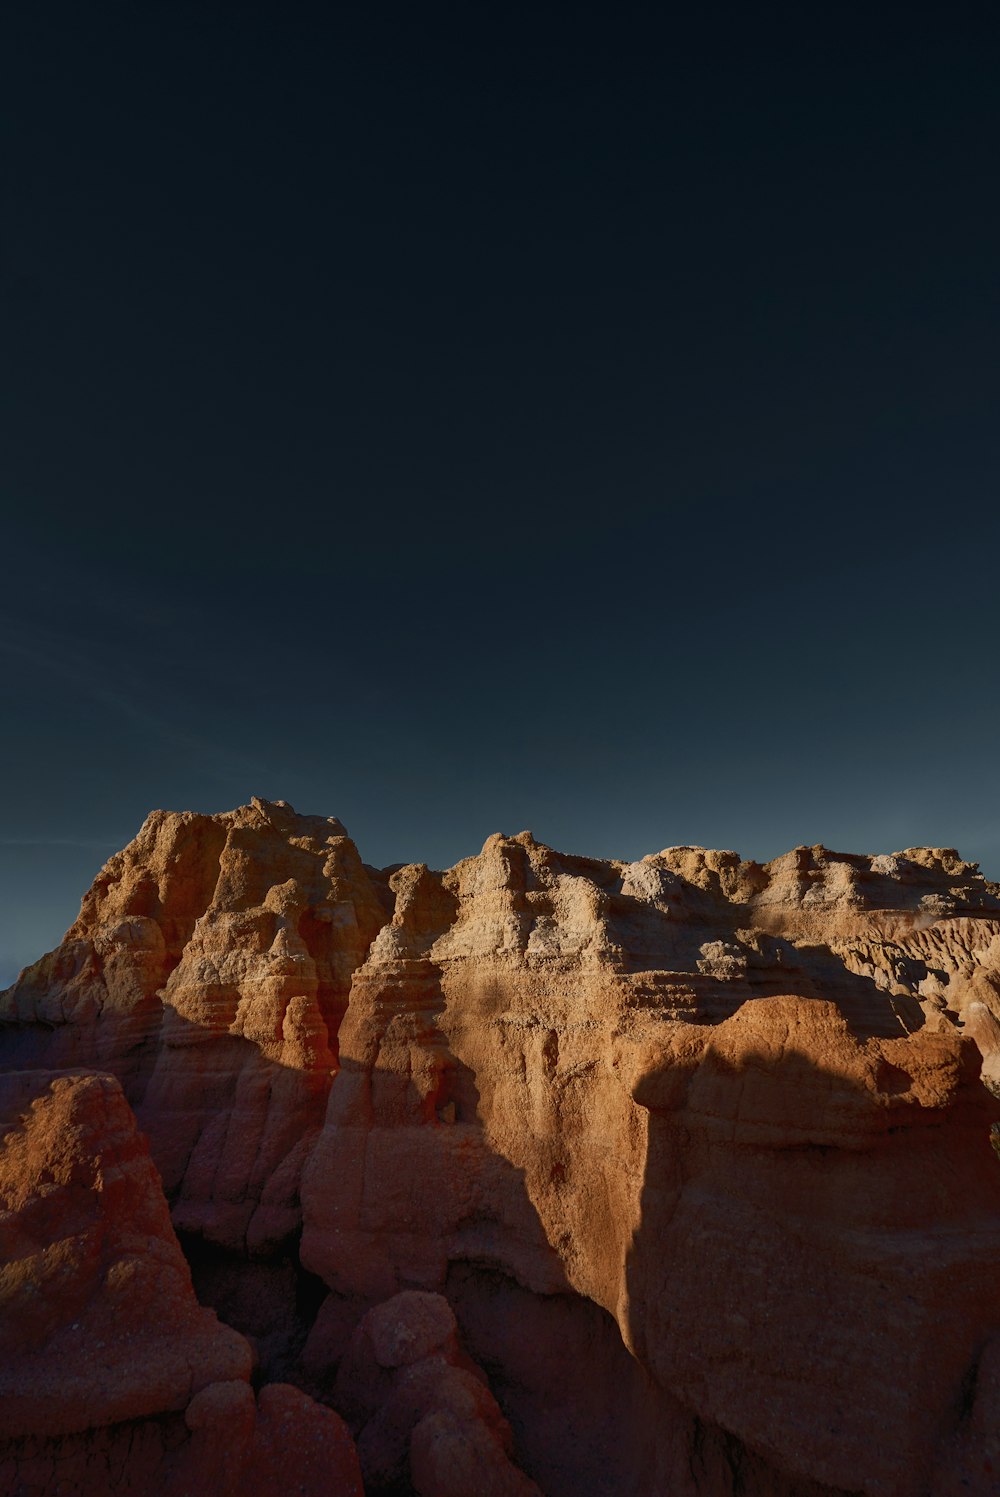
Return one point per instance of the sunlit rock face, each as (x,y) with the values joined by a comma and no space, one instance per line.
(697,1148)
(209,969)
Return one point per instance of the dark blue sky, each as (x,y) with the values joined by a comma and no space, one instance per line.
(464,419)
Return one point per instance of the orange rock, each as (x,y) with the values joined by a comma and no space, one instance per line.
(815,1208)
(102,1342)
(725,1117)
(208,969)
(99,1323)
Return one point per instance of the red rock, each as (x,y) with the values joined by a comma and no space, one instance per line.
(451,1456)
(300,1447)
(409,1327)
(102,1342)
(284,1443)
(100,1323)
(208,969)
(404,1366)
(330,1334)
(724,1120)
(222,1420)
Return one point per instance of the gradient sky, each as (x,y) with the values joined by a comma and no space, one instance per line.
(476,418)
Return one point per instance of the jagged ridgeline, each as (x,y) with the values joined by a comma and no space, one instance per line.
(543,1173)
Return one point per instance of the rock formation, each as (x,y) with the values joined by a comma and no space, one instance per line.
(421,1408)
(112,1377)
(696,1149)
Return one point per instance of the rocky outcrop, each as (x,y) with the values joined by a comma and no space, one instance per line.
(112,1376)
(820,1208)
(421,1409)
(694,1145)
(209,969)
(99,1321)
(226,1443)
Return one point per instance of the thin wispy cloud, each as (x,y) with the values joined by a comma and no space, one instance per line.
(56,653)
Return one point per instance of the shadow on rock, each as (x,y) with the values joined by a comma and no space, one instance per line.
(815,1267)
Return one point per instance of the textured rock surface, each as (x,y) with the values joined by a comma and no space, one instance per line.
(225,1444)
(422,1411)
(112,1376)
(209,968)
(697,1148)
(99,1320)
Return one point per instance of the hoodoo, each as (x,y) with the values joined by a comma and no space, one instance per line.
(545,1173)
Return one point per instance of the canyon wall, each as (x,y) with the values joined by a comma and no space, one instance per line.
(697,1150)
(112,1377)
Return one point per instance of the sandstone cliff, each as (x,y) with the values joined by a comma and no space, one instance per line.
(112,1377)
(696,1148)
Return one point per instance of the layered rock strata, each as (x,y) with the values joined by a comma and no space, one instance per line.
(693,1144)
(209,969)
(112,1376)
